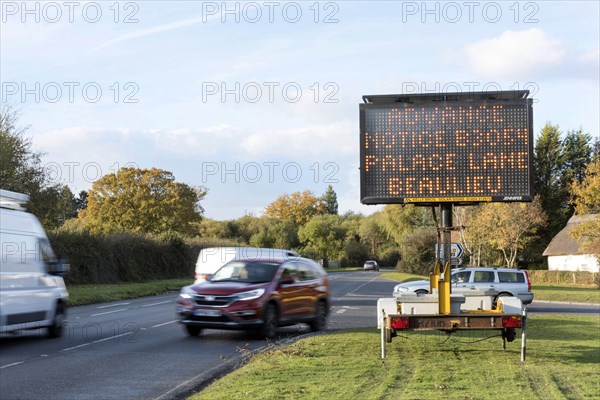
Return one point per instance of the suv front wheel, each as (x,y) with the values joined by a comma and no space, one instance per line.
(320,321)
(270,322)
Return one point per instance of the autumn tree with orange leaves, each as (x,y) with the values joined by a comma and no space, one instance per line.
(298,207)
(142,201)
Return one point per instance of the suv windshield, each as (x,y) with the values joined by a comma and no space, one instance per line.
(243,271)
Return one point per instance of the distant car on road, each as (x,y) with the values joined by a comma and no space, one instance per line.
(258,295)
(505,281)
(371,265)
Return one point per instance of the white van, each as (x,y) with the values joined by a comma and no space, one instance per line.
(213,258)
(32,291)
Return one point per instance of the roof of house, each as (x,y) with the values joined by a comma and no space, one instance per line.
(563,244)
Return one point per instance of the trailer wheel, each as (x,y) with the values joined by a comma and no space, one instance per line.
(509,334)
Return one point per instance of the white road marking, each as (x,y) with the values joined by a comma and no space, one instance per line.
(108,312)
(156,304)
(76,347)
(343,310)
(350,293)
(166,323)
(97,341)
(113,305)
(12,365)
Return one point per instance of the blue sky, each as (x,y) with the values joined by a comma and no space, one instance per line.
(256,99)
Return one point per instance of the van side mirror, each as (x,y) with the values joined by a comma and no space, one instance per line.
(59,267)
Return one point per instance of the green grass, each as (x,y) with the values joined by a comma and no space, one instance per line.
(89,294)
(568,293)
(403,277)
(575,294)
(563,362)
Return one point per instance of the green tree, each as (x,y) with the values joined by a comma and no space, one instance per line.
(330,200)
(324,236)
(372,234)
(418,251)
(142,201)
(297,207)
(21,171)
(577,154)
(274,233)
(20,167)
(549,164)
(510,227)
(586,195)
(81,200)
(212,229)
(400,221)
(587,201)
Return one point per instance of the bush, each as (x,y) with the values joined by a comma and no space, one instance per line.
(389,258)
(97,259)
(582,278)
(355,253)
(418,252)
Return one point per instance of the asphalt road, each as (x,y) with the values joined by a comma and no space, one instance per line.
(136,349)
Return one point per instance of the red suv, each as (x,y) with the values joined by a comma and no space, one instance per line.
(257,295)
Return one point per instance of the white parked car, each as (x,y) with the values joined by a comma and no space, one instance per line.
(32,291)
(213,258)
(504,281)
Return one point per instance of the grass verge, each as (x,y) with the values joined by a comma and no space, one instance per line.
(575,294)
(403,277)
(568,293)
(563,358)
(80,295)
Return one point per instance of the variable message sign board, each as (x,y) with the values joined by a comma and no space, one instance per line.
(446,148)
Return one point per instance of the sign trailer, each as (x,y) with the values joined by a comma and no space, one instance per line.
(447,149)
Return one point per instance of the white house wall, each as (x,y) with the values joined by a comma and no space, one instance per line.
(573,263)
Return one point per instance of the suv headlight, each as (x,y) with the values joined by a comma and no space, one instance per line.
(250,295)
(401,289)
(186,292)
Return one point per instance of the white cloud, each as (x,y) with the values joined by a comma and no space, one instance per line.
(515,53)
(334,139)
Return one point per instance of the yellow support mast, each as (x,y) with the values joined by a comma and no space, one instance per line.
(444,292)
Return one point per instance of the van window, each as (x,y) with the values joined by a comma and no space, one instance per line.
(511,277)
(484,276)
(46,251)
